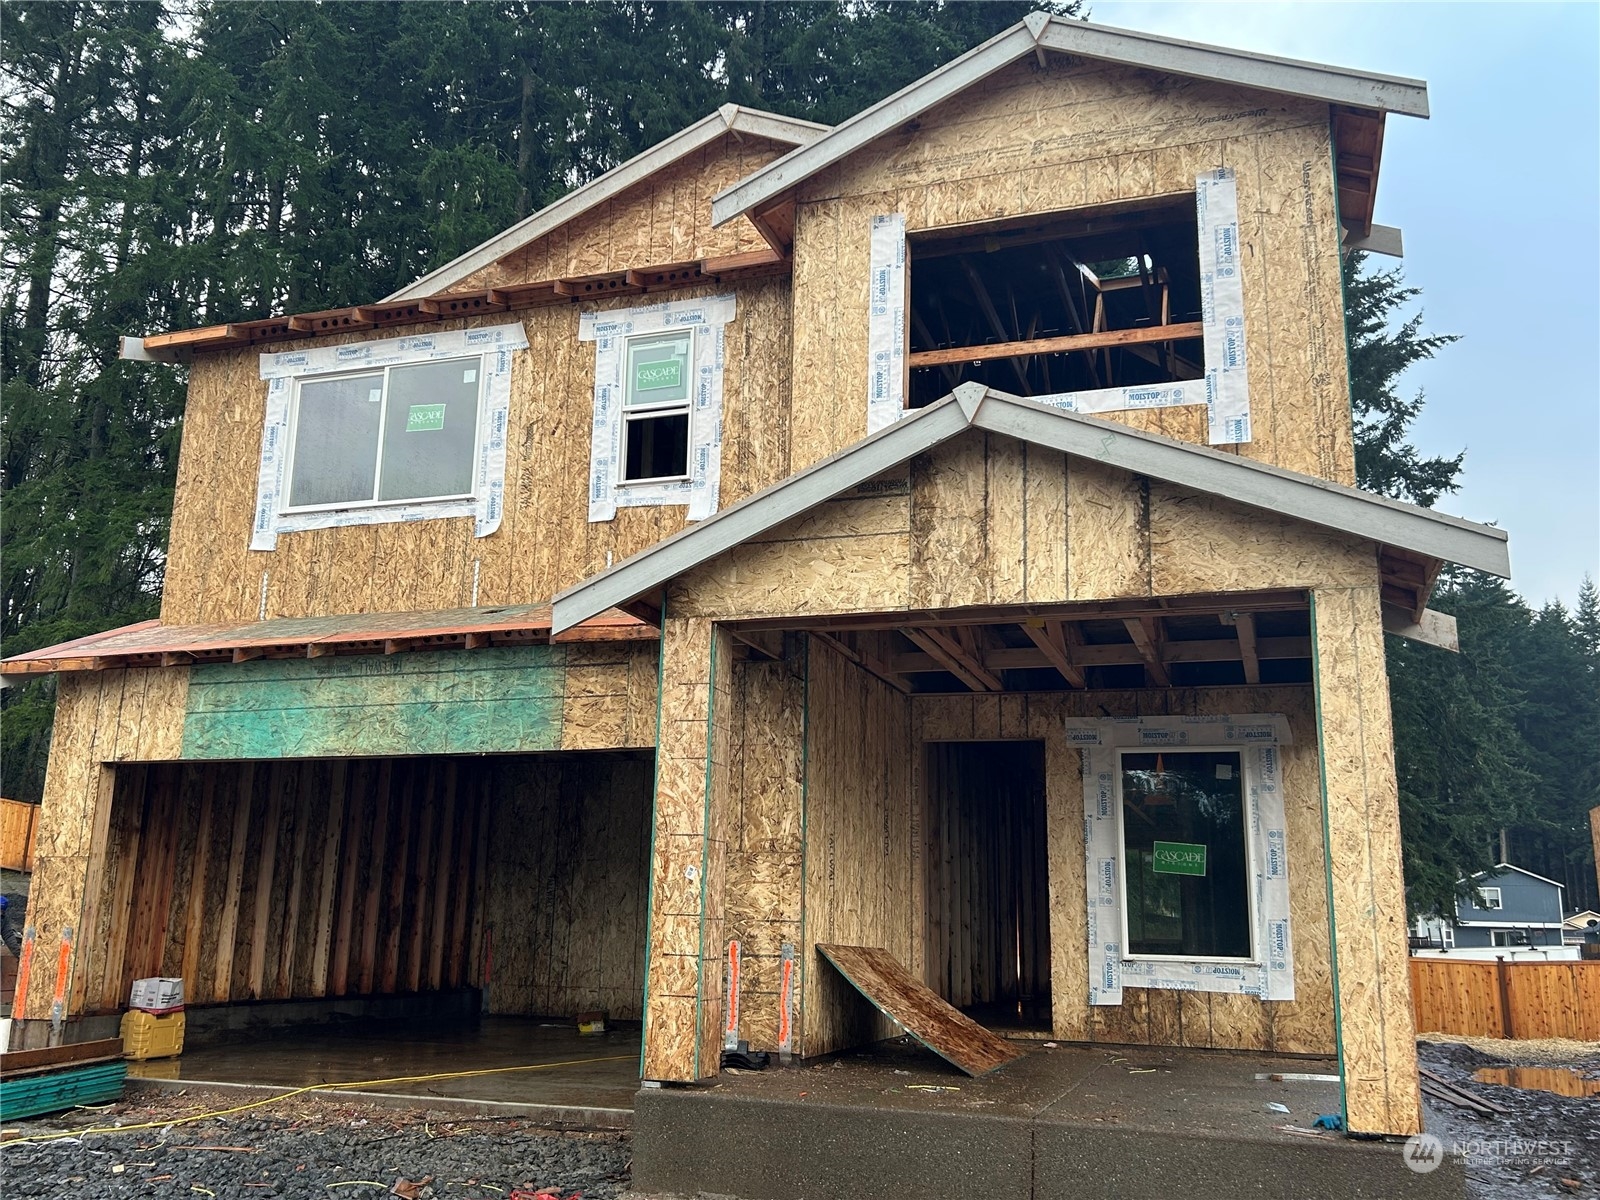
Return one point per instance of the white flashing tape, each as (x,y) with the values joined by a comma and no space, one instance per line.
(1259,736)
(1222,306)
(1224,390)
(608,330)
(886,323)
(495,344)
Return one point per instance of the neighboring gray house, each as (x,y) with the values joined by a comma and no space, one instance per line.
(1507,908)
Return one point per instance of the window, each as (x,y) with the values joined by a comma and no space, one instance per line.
(400,434)
(657,383)
(1186,856)
(1491,899)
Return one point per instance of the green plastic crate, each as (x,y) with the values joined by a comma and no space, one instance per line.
(55,1091)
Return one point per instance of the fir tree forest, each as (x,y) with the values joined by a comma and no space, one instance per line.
(169,165)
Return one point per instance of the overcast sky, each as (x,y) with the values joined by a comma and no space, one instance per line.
(1499,197)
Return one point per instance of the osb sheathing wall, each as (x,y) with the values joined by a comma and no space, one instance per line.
(566,890)
(859,834)
(101,716)
(545,541)
(828,838)
(985,519)
(663,219)
(1074,134)
(820,842)
(1150,1016)
(1377,1027)
(688,863)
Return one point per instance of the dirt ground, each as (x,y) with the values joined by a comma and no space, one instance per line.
(306,1148)
(1546,1146)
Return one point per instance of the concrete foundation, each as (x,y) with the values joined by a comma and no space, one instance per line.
(1063,1122)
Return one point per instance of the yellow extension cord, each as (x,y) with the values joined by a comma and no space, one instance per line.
(315,1087)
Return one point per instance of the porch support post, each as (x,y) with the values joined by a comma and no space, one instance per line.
(689,849)
(1366,891)
(69,863)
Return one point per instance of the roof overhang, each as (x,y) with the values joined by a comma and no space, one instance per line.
(1363,95)
(438,297)
(1412,531)
(152,644)
(729,119)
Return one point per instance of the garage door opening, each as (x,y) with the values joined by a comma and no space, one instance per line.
(447,910)
(987,889)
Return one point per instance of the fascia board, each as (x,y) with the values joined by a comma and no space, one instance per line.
(1333,506)
(615,181)
(872,123)
(1264,72)
(772,126)
(751,517)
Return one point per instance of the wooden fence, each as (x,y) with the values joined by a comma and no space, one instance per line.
(19,830)
(1507,999)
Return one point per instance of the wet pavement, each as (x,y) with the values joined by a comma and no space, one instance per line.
(1157,1089)
(549,1063)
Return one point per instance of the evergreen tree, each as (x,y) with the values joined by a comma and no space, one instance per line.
(1498,738)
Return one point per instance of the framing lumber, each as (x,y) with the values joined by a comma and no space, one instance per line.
(1244,625)
(1051,640)
(866,662)
(1057,345)
(956,659)
(1146,635)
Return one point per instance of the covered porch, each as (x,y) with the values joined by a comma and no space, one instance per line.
(905,696)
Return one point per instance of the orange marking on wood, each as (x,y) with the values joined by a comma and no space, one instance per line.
(24,969)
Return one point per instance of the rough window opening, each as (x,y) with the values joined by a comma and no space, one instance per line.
(1110,298)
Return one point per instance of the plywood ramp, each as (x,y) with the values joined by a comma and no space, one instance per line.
(890,988)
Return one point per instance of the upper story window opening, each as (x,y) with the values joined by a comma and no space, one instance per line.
(658,384)
(1491,899)
(1070,302)
(399,434)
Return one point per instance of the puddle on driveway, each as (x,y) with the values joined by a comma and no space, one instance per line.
(1545,1079)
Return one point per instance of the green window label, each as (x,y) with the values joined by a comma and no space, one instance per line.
(422,417)
(1178,858)
(663,373)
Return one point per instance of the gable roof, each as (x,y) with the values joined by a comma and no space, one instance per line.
(730,118)
(1502,868)
(1039,32)
(972,406)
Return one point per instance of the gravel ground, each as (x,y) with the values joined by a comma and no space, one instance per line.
(1546,1147)
(307,1148)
